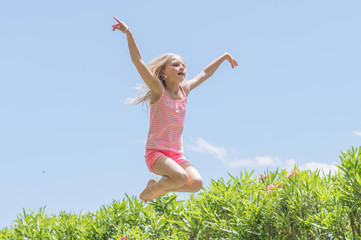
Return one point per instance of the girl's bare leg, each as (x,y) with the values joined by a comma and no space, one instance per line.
(174,176)
(194,183)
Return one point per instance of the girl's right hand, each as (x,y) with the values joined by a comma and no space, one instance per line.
(230,59)
(121,26)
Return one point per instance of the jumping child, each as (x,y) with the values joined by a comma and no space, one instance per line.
(166,93)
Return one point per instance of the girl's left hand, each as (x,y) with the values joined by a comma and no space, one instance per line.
(230,59)
(121,26)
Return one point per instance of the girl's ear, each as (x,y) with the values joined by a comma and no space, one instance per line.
(163,76)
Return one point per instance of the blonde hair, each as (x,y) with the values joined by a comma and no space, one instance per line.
(156,66)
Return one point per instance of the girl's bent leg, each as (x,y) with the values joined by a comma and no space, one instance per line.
(194,183)
(174,176)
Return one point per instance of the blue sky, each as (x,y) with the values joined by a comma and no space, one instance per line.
(68,141)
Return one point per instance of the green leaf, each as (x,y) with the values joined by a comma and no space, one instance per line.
(356,164)
(318,226)
(358,179)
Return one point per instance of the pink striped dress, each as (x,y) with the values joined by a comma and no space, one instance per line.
(166,123)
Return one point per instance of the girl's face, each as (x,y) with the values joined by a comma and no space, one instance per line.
(175,70)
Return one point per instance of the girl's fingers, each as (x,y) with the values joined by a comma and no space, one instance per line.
(235,63)
(232,62)
(116,19)
(120,26)
(116,26)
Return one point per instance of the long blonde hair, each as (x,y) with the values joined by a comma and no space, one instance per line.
(156,66)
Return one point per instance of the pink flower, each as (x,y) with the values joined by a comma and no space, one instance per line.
(123,239)
(262,177)
(290,174)
(271,188)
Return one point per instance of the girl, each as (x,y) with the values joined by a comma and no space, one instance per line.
(166,93)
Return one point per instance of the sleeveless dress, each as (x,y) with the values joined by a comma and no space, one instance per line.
(165,130)
(166,123)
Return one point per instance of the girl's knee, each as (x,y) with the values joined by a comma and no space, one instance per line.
(196,185)
(180,179)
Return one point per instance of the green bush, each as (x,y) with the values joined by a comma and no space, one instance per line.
(275,205)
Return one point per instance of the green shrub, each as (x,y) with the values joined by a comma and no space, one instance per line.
(275,205)
(350,185)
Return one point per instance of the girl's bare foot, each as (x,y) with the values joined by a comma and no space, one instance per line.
(146,195)
(158,194)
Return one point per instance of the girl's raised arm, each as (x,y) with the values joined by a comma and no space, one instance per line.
(152,82)
(209,70)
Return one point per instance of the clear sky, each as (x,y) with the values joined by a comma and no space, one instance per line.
(68,141)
